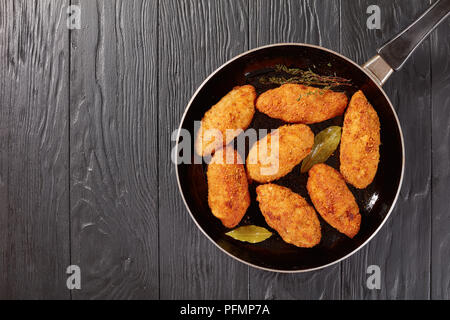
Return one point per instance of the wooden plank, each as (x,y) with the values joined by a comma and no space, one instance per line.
(315,22)
(195,37)
(440,48)
(113,141)
(402,248)
(34,213)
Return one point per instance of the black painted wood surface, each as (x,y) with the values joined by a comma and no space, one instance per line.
(86,118)
(113,158)
(440,188)
(34,128)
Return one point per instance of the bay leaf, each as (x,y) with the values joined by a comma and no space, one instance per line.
(250,233)
(325,143)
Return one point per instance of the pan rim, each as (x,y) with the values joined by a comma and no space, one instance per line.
(398,126)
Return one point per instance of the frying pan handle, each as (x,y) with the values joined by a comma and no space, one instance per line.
(393,54)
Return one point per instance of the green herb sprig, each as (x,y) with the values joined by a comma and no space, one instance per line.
(306,77)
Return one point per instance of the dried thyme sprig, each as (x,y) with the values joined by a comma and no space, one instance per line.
(306,77)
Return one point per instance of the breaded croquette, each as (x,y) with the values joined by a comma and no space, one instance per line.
(233,112)
(333,200)
(275,155)
(360,142)
(296,103)
(289,214)
(228,195)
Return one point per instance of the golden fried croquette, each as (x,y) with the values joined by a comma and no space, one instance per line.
(297,103)
(289,214)
(233,112)
(228,195)
(360,142)
(275,155)
(333,200)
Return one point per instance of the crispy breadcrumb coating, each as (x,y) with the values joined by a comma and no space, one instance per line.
(233,112)
(297,103)
(228,195)
(275,155)
(333,200)
(289,214)
(360,141)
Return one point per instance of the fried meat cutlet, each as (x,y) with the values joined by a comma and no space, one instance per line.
(296,103)
(233,112)
(289,214)
(228,195)
(275,155)
(333,200)
(360,142)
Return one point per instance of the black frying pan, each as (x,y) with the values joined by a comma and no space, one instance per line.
(375,202)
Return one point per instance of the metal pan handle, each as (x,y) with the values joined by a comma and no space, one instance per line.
(394,53)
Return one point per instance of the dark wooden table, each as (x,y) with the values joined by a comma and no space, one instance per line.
(86,118)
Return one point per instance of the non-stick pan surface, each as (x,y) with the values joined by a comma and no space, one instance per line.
(375,202)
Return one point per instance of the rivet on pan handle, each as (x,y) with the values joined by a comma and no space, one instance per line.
(379,69)
(394,53)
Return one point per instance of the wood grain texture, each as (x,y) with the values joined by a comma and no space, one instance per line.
(315,22)
(402,247)
(440,50)
(195,37)
(34,214)
(113,154)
